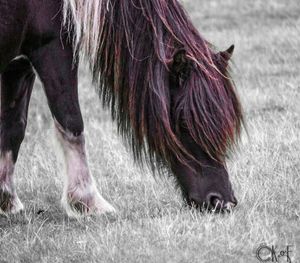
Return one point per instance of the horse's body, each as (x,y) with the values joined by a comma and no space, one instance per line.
(34,35)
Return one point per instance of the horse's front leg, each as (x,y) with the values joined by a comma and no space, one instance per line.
(16,86)
(55,67)
(80,196)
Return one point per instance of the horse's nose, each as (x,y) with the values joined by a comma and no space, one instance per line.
(211,201)
(215,201)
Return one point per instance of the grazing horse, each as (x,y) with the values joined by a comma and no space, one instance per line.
(168,90)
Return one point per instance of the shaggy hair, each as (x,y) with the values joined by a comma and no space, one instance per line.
(132,47)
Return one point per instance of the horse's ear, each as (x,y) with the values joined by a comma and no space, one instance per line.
(227,54)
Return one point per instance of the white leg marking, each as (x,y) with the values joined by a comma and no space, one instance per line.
(80,196)
(9,200)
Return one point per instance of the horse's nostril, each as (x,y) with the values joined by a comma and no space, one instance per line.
(214,200)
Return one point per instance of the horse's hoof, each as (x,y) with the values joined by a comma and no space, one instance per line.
(10,203)
(85,205)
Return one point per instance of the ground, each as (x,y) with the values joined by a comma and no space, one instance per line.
(152,225)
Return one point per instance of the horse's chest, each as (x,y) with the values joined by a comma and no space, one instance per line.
(12,13)
(13,20)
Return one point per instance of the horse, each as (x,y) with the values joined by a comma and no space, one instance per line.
(169,91)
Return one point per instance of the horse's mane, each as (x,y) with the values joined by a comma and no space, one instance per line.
(130,45)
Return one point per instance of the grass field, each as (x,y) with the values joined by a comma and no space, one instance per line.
(152,225)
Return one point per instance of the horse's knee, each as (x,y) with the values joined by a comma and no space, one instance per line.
(17,130)
(71,124)
(12,135)
(74,124)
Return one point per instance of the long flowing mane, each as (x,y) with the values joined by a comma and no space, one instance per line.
(130,45)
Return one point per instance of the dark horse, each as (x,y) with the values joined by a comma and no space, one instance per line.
(169,92)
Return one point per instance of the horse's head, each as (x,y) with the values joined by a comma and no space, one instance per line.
(206,116)
(170,94)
